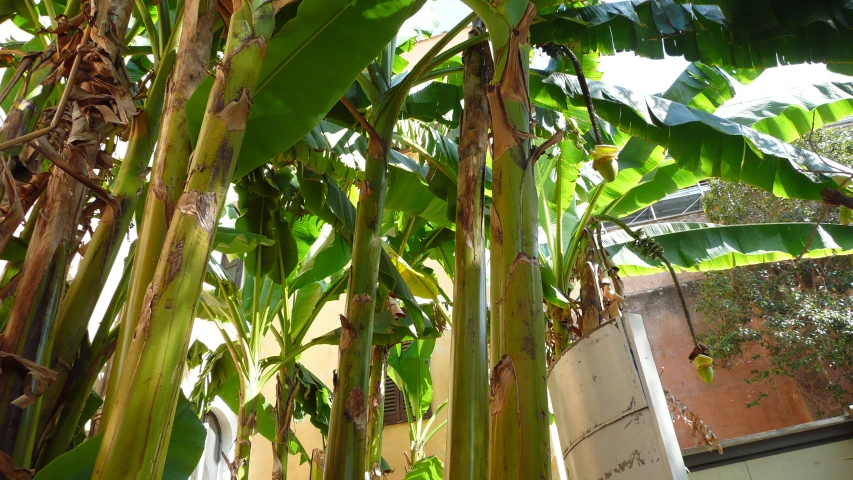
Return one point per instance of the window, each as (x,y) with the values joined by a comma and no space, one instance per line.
(234,268)
(211,465)
(395,406)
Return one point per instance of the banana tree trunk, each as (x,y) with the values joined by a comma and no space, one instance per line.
(55,231)
(345,454)
(170,171)
(83,375)
(96,264)
(134,444)
(41,334)
(286,388)
(376,411)
(94,268)
(13,268)
(520,441)
(56,228)
(246,421)
(318,464)
(467,437)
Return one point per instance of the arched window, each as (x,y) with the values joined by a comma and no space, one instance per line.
(218,446)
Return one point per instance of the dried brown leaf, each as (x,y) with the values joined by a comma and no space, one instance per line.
(8,468)
(395,309)
(356,407)
(503,377)
(236,112)
(42,376)
(698,428)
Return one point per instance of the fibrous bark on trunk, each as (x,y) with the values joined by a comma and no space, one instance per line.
(170,168)
(467,436)
(134,446)
(520,441)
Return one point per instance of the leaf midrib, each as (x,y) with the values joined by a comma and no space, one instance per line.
(302,46)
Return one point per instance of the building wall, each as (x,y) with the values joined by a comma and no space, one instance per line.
(722,404)
(831,461)
(322,360)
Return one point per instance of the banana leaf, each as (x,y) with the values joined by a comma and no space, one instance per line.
(700,247)
(185,449)
(293,95)
(702,144)
(737,33)
(790,114)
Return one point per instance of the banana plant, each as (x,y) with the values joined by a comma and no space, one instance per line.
(408,368)
(347,440)
(277,300)
(646,174)
(243,329)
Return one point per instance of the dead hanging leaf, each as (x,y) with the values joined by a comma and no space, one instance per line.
(80,131)
(612,300)
(30,192)
(356,407)
(42,376)
(13,212)
(503,377)
(104,160)
(8,468)
(395,309)
(698,428)
(107,114)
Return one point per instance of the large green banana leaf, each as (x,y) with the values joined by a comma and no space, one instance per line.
(666,179)
(409,369)
(792,113)
(740,33)
(700,247)
(699,86)
(309,65)
(702,144)
(324,198)
(351,147)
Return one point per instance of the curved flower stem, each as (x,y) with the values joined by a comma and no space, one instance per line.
(637,236)
(586,96)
